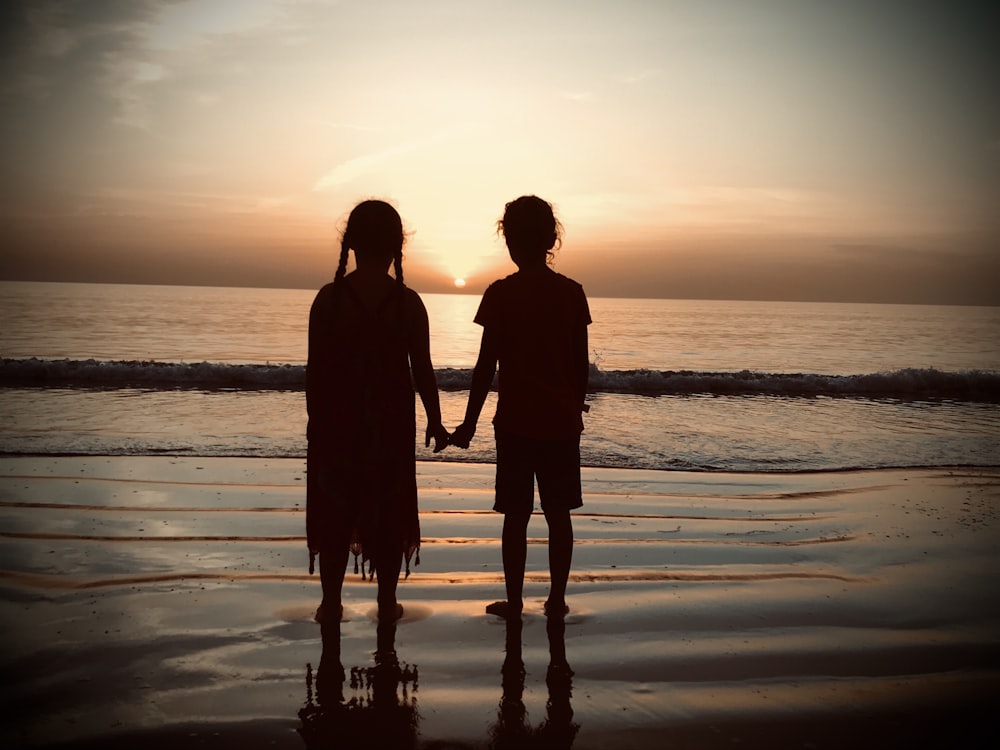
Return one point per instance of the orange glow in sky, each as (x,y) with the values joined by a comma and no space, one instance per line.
(773,149)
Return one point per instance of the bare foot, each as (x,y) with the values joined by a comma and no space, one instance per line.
(503,609)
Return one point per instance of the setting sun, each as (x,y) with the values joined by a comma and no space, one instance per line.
(460,283)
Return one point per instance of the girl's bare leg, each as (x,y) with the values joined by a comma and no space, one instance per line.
(332,566)
(387,569)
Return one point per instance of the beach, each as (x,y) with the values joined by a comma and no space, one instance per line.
(165,601)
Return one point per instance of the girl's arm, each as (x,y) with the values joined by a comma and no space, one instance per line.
(482,380)
(315,376)
(581,357)
(423,374)
(317,395)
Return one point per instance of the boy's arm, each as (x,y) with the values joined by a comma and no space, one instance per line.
(423,376)
(482,380)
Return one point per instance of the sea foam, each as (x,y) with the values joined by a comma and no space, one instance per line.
(910,383)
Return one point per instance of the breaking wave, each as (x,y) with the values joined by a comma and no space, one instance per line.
(910,383)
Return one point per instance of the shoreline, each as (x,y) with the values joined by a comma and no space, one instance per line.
(165,600)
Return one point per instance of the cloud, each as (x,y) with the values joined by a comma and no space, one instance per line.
(641,75)
(181,26)
(352,169)
(60,83)
(359,166)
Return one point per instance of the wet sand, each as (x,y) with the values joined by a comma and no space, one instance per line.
(165,602)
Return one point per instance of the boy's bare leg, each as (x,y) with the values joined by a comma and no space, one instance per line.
(560,559)
(514,546)
(515,554)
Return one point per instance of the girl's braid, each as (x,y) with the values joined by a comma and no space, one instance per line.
(398,265)
(342,265)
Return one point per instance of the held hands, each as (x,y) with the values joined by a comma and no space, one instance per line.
(461,437)
(440,435)
(463,434)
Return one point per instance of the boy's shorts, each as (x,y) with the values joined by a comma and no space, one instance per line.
(555,463)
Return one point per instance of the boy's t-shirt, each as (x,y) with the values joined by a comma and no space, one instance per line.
(535,317)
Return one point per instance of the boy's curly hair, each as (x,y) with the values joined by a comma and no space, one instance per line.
(530,225)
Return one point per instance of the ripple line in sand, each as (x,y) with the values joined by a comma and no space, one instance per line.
(56,537)
(40,580)
(713,542)
(674,517)
(70,583)
(147,508)
(168,482)
(749,518)
(658,542)
(53,537)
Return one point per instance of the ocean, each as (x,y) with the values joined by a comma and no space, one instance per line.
(697,385)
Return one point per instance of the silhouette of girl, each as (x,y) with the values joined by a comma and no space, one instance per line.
(368,333)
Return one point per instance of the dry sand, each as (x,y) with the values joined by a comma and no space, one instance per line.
(165,602)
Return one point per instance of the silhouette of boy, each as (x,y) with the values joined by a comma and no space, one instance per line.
(535,326)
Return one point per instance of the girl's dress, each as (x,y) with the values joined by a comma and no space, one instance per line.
(360,467)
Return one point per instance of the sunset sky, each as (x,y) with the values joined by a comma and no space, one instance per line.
(768,149)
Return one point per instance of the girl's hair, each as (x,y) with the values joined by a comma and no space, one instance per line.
(373,227)
(529,225)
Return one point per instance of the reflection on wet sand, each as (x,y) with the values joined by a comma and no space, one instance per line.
(513,728)
(380,707)
(380,712)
